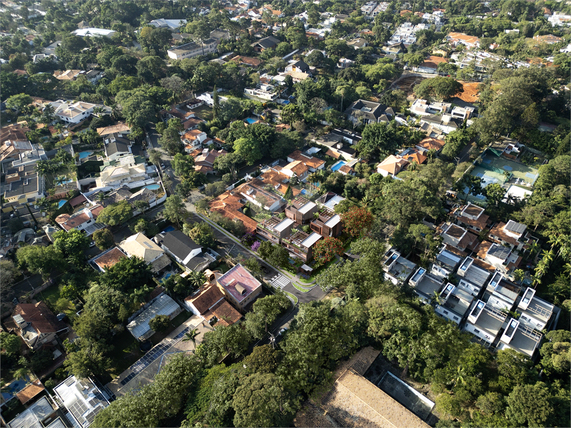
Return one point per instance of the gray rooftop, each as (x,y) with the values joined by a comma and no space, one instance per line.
(33,416)
(448,259)
(515,227)
(499,251)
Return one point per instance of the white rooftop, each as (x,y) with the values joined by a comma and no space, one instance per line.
(82,32)
(333,221)
(516,192)
(163,305)
(334,201)
(33,416)
(307,207)
(285,223)
(82,398)
(311,239)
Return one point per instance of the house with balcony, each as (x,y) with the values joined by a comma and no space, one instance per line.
(301,210)
(445,263)
(239,286)
(82,399)
(275,229)
(458,237)
(485,322)
(471,216)
(193,139)
(36,324)
(72,113)
(23,184)
(13,142)
(84,220)
(301,245)
(502,258)
(511,233)
(501,293)
(520,337)
(426,286)
(453,303)
(327,224)
(264,91)
(397,269)
(472,277)
(311,163)
(535,312)
(421,107)
(123,170)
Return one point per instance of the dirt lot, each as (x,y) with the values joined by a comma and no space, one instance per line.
(471,93)
(407,83)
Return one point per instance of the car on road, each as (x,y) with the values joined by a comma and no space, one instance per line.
(282,332)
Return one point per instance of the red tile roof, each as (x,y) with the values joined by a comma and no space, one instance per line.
(110,258)
(206,299)
(40,316)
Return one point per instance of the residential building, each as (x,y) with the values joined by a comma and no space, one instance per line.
(239,286)
(520,338)
(511,233)
(298,159)
(184,250)
(453,303)
(204,159)
(171,24)
(460,38)
(472,216)
(559,19)
(117,146)
(501,293)
(426,286)
(192,49)
(120,129)
(275,229)
(535,312)
(362,111)
(484,322)
(265,92)
(357,43)
(140,246)
(73,113)
(230,204)
(254,191)
(327,224)
(269,42)
(275,178)
(500,257)
(301,210)
(406,33)
(446,123)
(413,155)
(247,60)
(209,304)
(160,305)
(67,75)
(301,245)
(23,184)
(428,144)
(107,259)
(473,277)
(392,165)
(41,414)
(82,399)
(84,220)
(193,139)
(329,200)
(125,169)
(458,237)
(13,143)
(295,65)
(36,324)
(397,269)
(446,262)
(93,32)
(345,63)
(422,107)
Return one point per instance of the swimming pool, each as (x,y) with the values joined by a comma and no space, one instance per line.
(83,155)
(169,229)
(61,203)
(153,186)
(337,165)
(251,120)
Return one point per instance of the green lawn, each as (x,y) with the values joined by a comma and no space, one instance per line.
(124,353)
(51,295)
(203,112)
(300,288)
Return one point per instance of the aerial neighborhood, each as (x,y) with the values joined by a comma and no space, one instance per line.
(285,213)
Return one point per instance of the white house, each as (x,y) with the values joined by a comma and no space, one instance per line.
(192,49)
(93,32)
(84,220)
(72,112)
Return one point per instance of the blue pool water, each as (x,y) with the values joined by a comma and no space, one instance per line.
(83,155)
(169,229)
(153,186)
(303,191)
(14,387)
(61,203)
(251,120)
(338,165)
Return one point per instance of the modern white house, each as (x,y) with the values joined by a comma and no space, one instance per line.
(192,49)
(83,400)
(72,113)
(93,32)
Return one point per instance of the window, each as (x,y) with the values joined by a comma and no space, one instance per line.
(476,331)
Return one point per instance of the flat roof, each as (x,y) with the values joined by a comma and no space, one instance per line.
(82,398)
(333,221)
(239,276)
(307,207)
(428,285)
(33,416)
(162,305)
(335,200)
(285,223)
(311,239)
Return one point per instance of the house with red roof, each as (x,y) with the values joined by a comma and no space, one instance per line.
(240,286)
(36,324)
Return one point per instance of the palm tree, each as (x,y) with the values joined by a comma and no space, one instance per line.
(196,279)
(21,373)
(459,376)
(191,336)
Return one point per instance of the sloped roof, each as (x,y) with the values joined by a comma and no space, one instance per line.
(206,299)
(139,245)
(40,316)
(393,164)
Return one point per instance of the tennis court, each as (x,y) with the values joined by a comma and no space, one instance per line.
(523,174)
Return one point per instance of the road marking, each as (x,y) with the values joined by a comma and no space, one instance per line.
(279,281)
